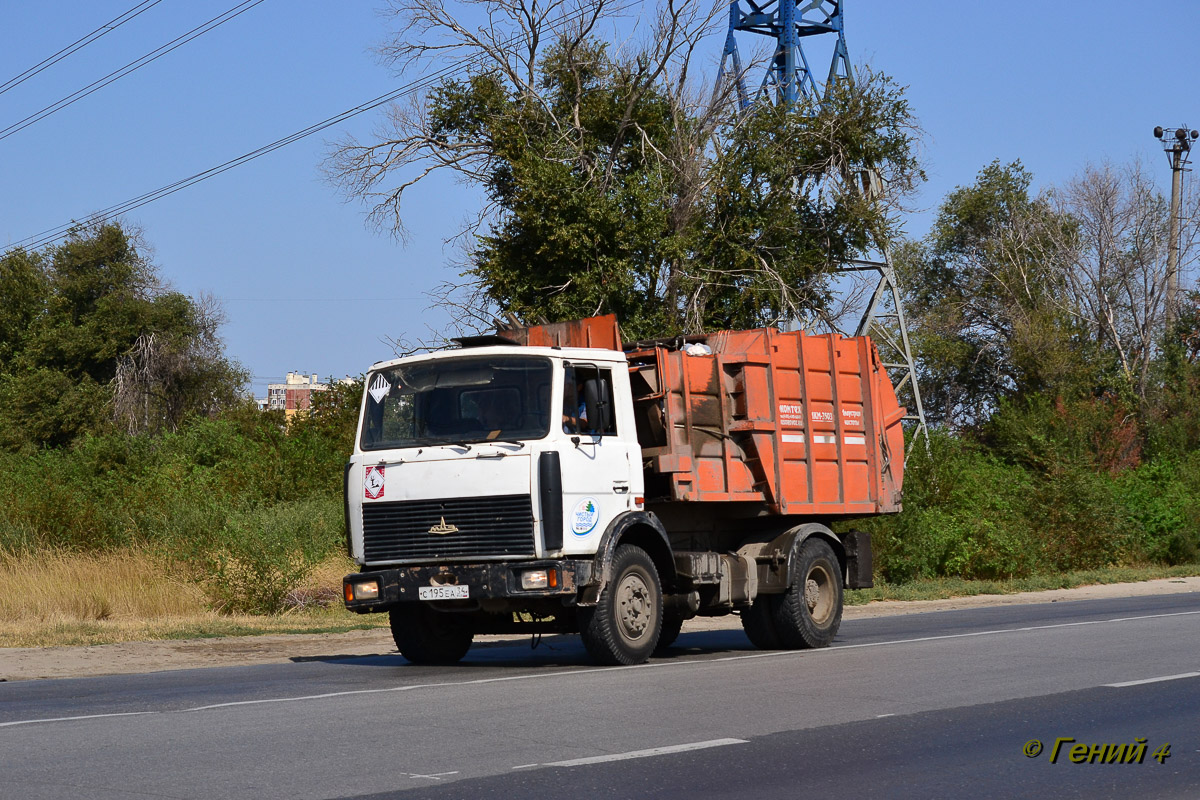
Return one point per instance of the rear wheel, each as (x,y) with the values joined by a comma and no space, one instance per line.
(426,636)
(809,613)
(758,621)
(624,625)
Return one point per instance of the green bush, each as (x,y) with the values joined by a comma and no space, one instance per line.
(1079,522)
(259,557)
(962,517)
(1044,435)
(243,504)
(1048,487)
(1163,510)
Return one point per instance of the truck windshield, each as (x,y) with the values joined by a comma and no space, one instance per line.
(467,399)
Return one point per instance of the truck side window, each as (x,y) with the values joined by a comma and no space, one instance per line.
(588,401)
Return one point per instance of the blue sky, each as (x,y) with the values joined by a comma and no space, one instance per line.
(307,286)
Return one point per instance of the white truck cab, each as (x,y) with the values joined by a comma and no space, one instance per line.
(467,435)
(484,481)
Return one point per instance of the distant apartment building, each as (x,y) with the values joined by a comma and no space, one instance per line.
(295,395)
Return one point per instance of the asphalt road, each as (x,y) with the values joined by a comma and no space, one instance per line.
(924,705)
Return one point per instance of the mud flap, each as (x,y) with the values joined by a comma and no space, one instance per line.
(860,567)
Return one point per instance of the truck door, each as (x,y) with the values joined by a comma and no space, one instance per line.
(599,466)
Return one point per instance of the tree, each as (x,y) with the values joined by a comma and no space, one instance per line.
(24,287)
(1062,293)
(784,205)
(615,184)
(81,313)
(320,439)
(985,297)
(1115,266)
(175,370)
(1174,402)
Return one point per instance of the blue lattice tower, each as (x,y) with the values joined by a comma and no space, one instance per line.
(788,78)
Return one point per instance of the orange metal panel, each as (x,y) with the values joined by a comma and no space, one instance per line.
(591,332)
(804,424)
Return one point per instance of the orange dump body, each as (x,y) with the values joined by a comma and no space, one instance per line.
(803,424)
(796,423)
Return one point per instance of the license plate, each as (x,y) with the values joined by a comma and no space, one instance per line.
(444,592)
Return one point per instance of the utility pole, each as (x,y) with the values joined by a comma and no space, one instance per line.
(1177,144)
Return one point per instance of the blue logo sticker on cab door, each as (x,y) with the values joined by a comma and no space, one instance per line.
(585,516)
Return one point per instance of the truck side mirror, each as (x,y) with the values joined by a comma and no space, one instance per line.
(597,399)
(606,406)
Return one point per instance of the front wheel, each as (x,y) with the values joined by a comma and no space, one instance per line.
(425,636)
(625,624)
(809,613)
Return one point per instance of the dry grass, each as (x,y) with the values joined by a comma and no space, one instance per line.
(63,598)
(323,587)
(60,587)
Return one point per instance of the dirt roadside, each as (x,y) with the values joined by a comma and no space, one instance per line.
(132,657)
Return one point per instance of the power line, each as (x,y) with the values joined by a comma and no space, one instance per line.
(44,238)
(132,66)
(79,44)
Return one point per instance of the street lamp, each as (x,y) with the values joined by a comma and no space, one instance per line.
(1177,144)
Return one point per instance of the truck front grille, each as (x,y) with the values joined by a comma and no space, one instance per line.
(486,526)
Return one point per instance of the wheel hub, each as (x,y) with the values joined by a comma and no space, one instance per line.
(634,608)
(812,593)
(818,594)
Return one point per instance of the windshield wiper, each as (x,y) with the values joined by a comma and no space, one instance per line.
(515,442)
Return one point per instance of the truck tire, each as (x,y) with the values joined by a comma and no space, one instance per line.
(425,636)
(672,624)
(624,625)
(809,613)
(758,621)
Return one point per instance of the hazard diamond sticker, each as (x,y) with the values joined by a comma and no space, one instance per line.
(379,388)
(373,482)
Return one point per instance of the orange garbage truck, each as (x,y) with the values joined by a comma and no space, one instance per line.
(552,479)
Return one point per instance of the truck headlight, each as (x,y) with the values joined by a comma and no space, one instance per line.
(539,579)
(367,590)
(534,579)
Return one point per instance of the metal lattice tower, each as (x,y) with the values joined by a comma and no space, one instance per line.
(789,78)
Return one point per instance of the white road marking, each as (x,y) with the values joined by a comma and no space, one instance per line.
(526,766)
(72,719)
(653,751)
(968,635)
(435,777)
(881,716)
(592,670)
(1153,680)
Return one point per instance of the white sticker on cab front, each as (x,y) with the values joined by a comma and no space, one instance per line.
(374,482)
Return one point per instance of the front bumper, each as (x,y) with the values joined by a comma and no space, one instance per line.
(484,582)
